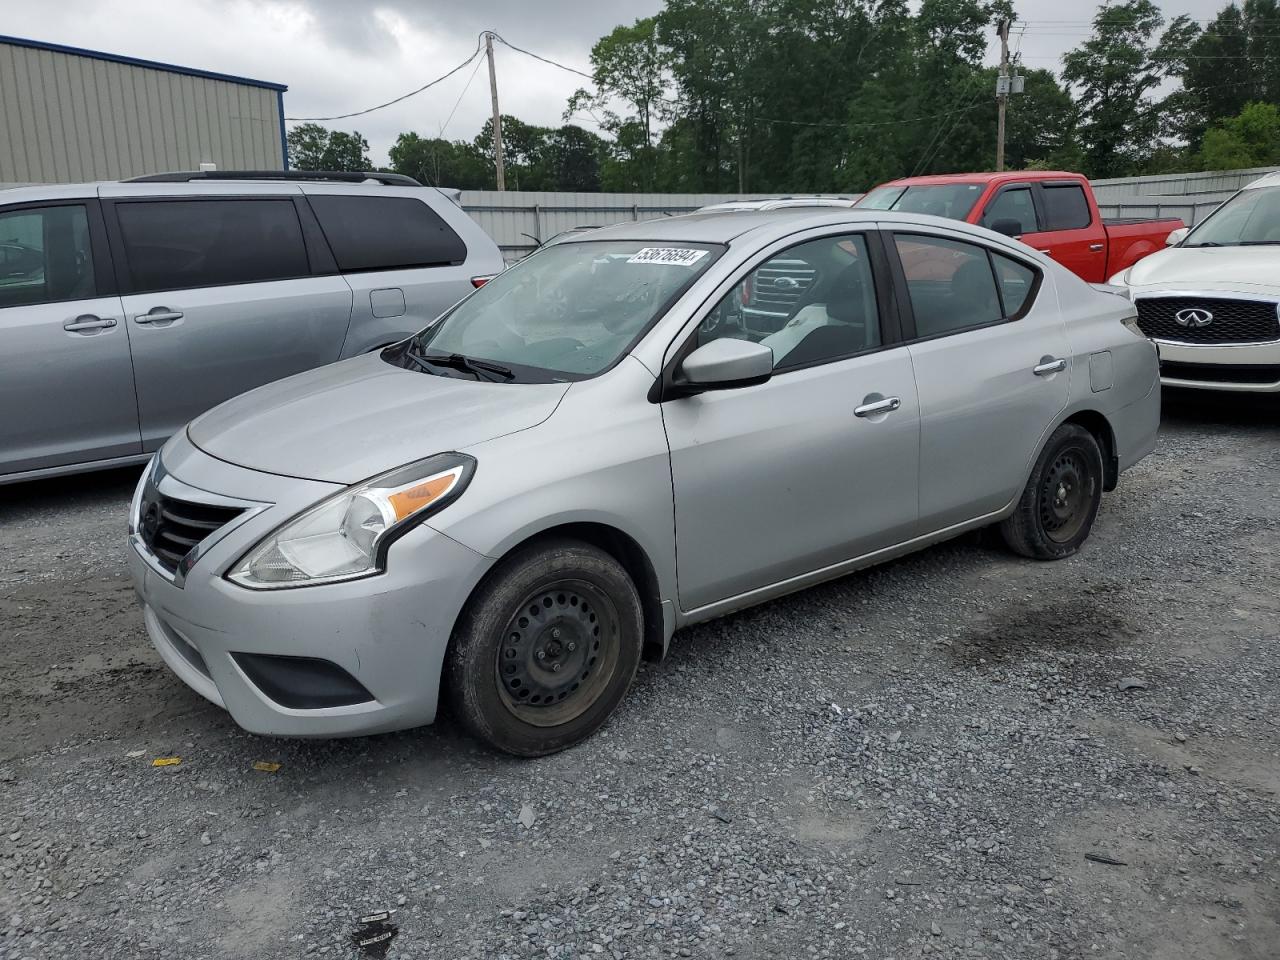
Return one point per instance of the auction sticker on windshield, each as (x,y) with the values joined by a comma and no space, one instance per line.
(675,256)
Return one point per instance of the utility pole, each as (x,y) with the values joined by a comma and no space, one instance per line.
(498,166)
(1002,92)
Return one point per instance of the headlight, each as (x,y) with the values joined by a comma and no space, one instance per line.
(347,536)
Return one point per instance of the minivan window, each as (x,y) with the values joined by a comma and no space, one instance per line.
(568,312)
(386,233)
(45,256)
(1066,207)
(180,244)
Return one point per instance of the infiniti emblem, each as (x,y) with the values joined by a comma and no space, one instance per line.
(1193,317)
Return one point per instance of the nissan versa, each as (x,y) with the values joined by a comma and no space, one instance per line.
(513,506)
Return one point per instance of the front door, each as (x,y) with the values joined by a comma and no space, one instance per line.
(814,467)
(993,368)
(66,383)
(221,300)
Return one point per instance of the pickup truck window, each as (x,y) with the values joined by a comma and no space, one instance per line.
(1014,204)
(951,200)
(1066,207)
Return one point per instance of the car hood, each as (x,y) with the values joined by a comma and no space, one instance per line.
(1209,268)
(349,421)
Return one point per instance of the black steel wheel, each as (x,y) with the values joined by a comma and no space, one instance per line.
(1060,502)
(546,648)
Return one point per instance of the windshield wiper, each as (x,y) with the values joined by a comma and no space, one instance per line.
(1207,243)
(457,361)
(1259,243)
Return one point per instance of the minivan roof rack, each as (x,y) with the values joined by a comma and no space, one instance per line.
(344,176)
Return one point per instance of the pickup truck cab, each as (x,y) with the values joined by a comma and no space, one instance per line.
(1056,213)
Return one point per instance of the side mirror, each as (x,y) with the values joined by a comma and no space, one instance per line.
(1176,237)
(726,363)
(1010,227)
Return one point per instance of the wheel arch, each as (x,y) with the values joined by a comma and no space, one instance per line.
(1098,425)
(623,548)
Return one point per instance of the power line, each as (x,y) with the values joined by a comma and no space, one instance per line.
(411,93)
(458,102)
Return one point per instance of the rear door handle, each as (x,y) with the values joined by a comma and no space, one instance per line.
(88,322)
(1096,247)
(1046,367)
(158,315)
(887,405)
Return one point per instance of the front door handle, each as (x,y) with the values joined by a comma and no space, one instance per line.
(158,315)
(88,322)
(1049,365)
(1046,251)
(887,405)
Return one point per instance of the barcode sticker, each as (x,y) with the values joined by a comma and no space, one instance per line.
(672,256)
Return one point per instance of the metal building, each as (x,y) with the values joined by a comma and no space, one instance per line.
(70,115)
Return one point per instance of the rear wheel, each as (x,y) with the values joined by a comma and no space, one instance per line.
(1060,502)
(546,649)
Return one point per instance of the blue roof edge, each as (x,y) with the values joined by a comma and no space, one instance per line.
(137,62)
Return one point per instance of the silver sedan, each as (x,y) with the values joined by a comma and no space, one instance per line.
(631,431)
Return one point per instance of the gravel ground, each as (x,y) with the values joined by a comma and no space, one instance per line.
(933,758)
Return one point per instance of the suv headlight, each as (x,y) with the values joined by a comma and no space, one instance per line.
(347,536)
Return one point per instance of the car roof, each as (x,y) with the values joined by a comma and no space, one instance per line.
(765,225)
(940,179)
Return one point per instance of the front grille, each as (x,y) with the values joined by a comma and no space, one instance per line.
(170,528)
(1234,321)
(1221,372)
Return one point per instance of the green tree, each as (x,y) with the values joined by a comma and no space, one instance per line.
(313,147)
(1235,61)
(1250,139)
(441,163)
(1114,76)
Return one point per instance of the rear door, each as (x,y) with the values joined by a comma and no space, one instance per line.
(405,262)
(992,368)
(66,384)
(222,293)
(1073,233)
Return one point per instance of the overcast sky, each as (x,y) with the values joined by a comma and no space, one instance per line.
(338,56)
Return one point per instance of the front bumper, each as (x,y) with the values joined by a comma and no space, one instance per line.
(388,632)
(1241,368)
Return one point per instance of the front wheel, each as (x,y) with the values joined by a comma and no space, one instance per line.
(1060,502)
(546,649)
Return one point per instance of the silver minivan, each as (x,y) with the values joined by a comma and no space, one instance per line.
(128,309)
(509,508)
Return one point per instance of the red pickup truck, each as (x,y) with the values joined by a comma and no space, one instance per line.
(1054,212)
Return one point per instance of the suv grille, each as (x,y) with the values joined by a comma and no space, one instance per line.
(775,290)
(170,528)
(1234,321)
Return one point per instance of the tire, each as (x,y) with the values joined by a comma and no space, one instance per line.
(1057,508)
(546,648)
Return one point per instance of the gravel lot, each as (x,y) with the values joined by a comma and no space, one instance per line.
(934,758)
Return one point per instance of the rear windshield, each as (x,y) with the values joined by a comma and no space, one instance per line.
(568,312)
(952,200)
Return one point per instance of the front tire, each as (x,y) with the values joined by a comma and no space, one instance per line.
(546,649)
(1060,502)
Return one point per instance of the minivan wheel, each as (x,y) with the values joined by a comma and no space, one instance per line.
(546,648)
(1060,502)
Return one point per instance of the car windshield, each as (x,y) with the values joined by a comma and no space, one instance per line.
(567,312)
(1250,218)
(951,200)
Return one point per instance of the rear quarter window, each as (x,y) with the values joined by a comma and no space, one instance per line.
(386,233)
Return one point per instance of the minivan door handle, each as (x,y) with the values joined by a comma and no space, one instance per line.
(1049,365)
(886,405)
(88,321)
(158,315)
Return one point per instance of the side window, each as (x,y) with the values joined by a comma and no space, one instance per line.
(1015,204)
(1066,208)
(811,303)
(1016,281)
(951,284)
(385,233)
(180,244)
(45,256)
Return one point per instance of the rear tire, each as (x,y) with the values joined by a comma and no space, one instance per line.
(1060,502)
(546,648)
